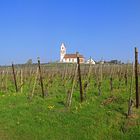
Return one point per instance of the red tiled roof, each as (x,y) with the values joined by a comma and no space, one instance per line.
(73,56)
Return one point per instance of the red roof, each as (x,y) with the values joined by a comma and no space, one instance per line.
(73,56)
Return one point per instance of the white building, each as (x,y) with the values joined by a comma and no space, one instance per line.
(90,61)
(69,58)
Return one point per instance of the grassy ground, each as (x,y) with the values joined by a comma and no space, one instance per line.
(98,118)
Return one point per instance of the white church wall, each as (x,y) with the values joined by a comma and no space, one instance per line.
(69,60)
(75,60)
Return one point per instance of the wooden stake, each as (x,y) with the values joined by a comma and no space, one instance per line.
(69,99)
(80,80)
(136,77)
(21,81)
(41,79)
(14,75)
(2,80)
(6,77)
(126,75)
(100,78)
(33,90)
(131,91)
(111,84)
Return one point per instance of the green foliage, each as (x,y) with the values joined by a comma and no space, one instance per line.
(48,118)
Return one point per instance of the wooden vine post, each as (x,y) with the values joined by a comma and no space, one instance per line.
(34,85)
(136,77)
(111,83)
(80,80)
(21,81)
(14,75)
(130,103)
(6,79)
(70,93)
(41,79)
(100,78)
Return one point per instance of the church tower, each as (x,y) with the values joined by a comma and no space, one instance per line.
(62,52)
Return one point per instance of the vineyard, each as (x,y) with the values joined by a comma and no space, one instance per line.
(68,101)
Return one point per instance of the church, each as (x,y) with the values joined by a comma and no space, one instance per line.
(69,58)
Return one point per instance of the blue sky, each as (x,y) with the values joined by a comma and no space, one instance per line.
(108,29)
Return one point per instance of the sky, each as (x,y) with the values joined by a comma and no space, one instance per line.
(102,29)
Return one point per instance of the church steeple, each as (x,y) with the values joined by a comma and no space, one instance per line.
(62,52)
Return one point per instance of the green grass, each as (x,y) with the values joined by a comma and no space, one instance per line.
(48,119)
